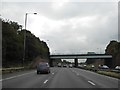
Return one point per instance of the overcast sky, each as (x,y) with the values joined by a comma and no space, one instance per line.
(68,27)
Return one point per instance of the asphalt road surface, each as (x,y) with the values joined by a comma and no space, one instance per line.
(58,78)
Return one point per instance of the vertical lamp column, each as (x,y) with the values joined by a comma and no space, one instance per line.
(25,36)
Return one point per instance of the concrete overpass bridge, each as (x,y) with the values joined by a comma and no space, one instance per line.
(79,56)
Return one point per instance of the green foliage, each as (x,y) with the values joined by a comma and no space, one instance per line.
(113,48)
(13,45)
(110,73)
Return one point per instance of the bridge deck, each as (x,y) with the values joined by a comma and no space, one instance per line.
(81,56)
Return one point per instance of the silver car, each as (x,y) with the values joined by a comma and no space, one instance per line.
(117,67)
(43,67)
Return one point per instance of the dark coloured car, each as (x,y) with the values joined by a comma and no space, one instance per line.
(43,68)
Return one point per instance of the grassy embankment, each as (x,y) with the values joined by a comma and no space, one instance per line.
(107,72)
(110,73)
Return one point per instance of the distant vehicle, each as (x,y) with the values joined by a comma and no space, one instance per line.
(103,67)
(59,65)
(84,65)
(117,67)
(70,65)
(64,65)
(43,67)
(92,66)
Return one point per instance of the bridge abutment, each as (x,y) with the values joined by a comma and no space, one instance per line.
(51,62)
(76,62)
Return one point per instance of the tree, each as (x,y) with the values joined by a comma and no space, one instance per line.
(113,48)
(13,45)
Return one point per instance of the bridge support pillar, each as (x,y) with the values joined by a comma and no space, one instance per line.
(51,63)
(76,62)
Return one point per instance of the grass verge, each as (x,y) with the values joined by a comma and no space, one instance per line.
(109,73)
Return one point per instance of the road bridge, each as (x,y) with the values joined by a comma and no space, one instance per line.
(79,56)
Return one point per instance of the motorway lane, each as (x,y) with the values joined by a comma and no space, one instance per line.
(26,80)
(59,78)
(101,81)
(65,78)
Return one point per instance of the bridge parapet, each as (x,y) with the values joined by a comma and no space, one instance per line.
(81,56)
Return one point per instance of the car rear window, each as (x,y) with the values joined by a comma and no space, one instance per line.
(43,65)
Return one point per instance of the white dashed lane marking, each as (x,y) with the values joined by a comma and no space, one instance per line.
(45,81)
(91,83)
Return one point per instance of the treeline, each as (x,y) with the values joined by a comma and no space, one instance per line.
(113,48)
(13,45)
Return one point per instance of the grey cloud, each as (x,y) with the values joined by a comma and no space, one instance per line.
(68,39)
(74,9)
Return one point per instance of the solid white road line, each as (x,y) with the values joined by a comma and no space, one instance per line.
(45,81)
(15,76)
(91,82)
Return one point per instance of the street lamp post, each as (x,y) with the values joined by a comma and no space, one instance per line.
(25,36)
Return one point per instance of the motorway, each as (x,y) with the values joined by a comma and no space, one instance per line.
(58,78)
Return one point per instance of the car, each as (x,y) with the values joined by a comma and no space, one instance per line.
(64,65)
(43,67)
(59,65)
(117,67)
(70,65)
(92,66)
(84,65)
(103,67)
